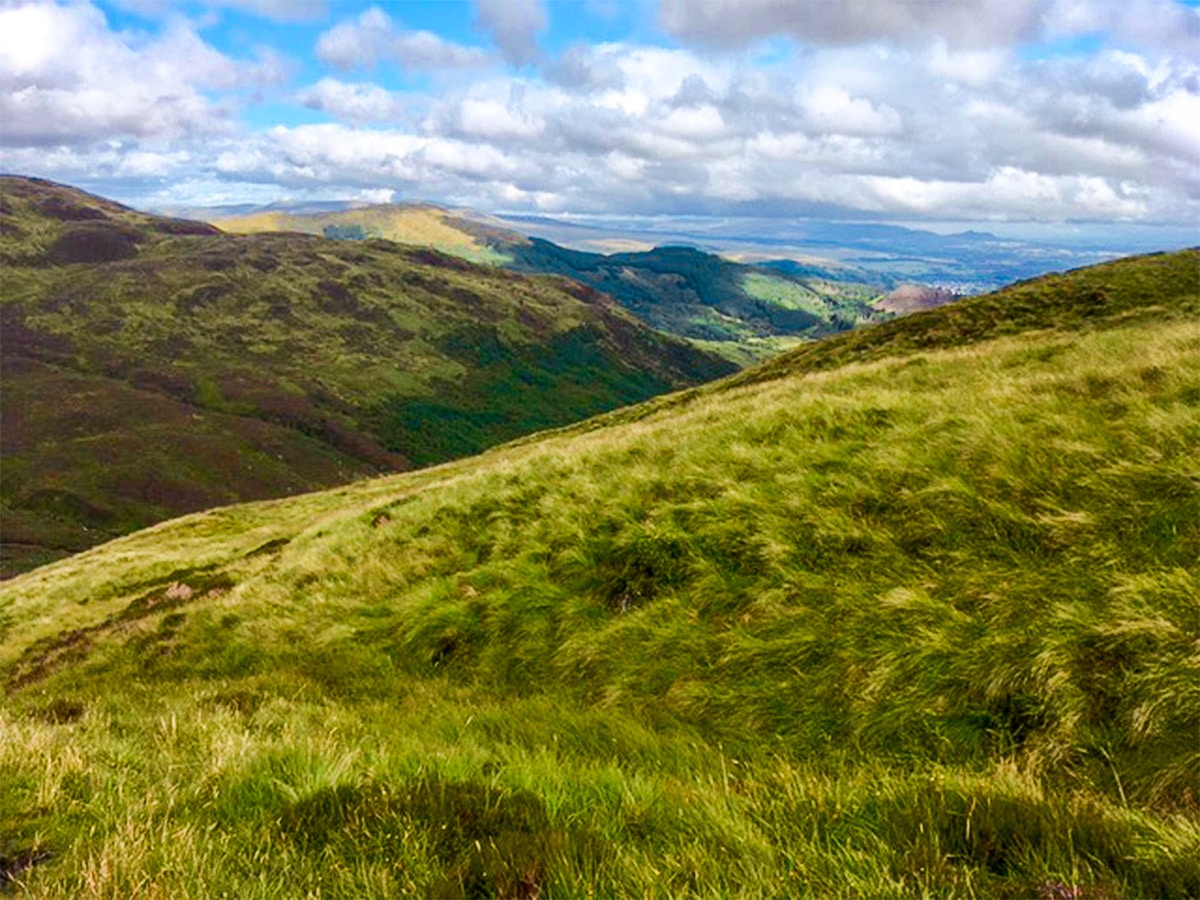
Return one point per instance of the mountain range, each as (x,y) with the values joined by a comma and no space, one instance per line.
(964,261)
(875,255)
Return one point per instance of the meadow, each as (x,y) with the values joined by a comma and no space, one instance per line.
(911,612)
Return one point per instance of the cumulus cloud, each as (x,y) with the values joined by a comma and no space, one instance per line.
(65,77)
(732,23)
(960,24)
(514,26)
(582,69)
(357,103)
(864,120)
(1110,137)
(1008,192)
(831,110)
(110,168)
(345,158)
(493,120)
(374,37)
(1137,24)
(275,10)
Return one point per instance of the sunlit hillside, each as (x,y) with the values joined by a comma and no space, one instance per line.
(153,367)
(744,312)
(407,224)
(912,612)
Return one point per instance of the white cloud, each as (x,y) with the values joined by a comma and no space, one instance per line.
(624,166)
(514,26)
(374,37)
(731,23)
(65,77)
(492,119)
(139,164)
(357,103)
(975,68)
(957,23)
(702,123)
(1012,193)
(280,10)
(1140,24)
(831,110)
(937,126)
(275,10)
(376,195)
(677,131)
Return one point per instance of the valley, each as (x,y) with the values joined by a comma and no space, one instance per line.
(154,366)
(677,289)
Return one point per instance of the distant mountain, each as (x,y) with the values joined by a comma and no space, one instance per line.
(687,292)
(964,262)
(813,251)
(415,223)
(679,290)
(912,611)
(154,366)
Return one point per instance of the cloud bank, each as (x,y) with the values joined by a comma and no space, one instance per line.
(1031,110)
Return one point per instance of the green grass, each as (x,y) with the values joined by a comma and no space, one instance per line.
(148,373)
(681,291)
(779,291)
(923,625)
(1164,285)
(426,226)
(703,297)
(752,350)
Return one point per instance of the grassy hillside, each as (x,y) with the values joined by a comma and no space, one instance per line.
(427,226)
(678,290)
(153,367)
(1156,287)
(699,295)
(924,624)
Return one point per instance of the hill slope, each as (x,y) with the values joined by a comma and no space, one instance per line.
(679,290)
(699,295)
(411,223)
(153,367)
(921,625)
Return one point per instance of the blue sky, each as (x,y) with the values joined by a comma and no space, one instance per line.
(1001,111)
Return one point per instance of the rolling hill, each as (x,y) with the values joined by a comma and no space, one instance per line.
(157,366)
(680,290)
(911,611)
(409,223)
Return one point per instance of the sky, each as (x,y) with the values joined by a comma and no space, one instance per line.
(1000,111)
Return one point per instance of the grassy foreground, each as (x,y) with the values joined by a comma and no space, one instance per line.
(921,625)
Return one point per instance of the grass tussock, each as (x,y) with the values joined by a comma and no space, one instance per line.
(921,626)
